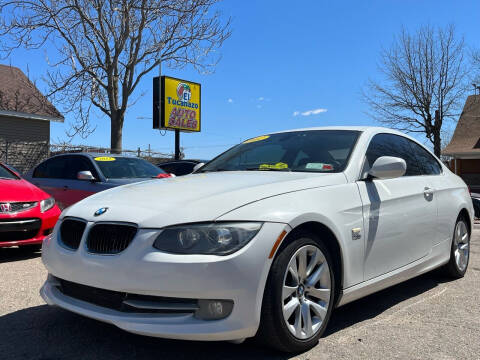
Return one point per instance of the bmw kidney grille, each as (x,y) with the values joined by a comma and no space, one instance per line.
(110,239)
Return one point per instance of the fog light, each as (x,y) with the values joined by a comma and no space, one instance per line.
(213,309)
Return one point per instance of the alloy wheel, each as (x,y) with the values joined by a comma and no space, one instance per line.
(306,292)
(461,244)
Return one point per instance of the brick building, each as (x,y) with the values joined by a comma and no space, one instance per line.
(464,148)
(25,116)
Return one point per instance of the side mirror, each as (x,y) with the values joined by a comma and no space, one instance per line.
(388,167)
(85,175)
(198,166)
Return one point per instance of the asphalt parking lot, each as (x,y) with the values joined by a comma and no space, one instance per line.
(429,317)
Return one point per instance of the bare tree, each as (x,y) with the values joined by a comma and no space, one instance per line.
(105,47)
(475,57)
(425,76)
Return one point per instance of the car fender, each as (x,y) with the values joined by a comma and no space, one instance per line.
(467,204)
(337,207)
(452,197)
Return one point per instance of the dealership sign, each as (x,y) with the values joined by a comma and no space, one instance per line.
(180,104)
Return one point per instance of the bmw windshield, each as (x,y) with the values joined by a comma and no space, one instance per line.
(127,168)
(303,151)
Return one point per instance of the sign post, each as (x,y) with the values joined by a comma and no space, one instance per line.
(176,106)
(177,144)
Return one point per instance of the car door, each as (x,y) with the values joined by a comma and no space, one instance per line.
(400,214)
(443,192)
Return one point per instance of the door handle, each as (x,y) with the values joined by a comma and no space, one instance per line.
(428,191)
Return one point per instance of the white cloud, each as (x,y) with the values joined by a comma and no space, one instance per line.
(261,98)
(310,112)
(230,100)
(313,112)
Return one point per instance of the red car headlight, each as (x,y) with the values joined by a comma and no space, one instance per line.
(47,204)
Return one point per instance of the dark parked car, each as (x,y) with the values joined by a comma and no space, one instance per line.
(180,167)
(72,177)
(476,204)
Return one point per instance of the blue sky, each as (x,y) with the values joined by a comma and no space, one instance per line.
(283,58)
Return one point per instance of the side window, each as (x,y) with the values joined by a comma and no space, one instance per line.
(53,168)
(392,145)
(77,164)
(427,163)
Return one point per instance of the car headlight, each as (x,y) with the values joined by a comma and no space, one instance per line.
(47,204)
(212,238)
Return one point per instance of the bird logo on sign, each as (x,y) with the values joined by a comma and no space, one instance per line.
(183,92)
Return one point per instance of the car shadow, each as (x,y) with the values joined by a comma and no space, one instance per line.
(373,305)
(44,332)
(11,254)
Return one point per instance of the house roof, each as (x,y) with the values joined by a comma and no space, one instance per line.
(19,97)
(465,140)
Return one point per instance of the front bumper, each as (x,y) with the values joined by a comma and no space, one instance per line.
(47,219)
(141,269)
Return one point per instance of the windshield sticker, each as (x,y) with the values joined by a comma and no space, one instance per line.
(104,158)
(319,166)
(278,165)
(258,138)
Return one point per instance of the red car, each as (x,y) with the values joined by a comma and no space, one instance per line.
(27,214)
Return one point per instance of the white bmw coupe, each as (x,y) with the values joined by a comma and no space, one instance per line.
(265,240)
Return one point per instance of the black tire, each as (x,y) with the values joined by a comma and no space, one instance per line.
(452,269)
(273,330)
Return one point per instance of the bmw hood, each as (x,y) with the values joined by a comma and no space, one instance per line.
(118,182)
(194,198)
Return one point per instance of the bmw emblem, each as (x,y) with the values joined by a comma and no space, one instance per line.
(100,211)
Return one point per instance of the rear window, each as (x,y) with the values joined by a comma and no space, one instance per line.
(126,168)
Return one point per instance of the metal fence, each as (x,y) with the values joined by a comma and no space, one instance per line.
(25,155)
(148,154)
(145,153)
